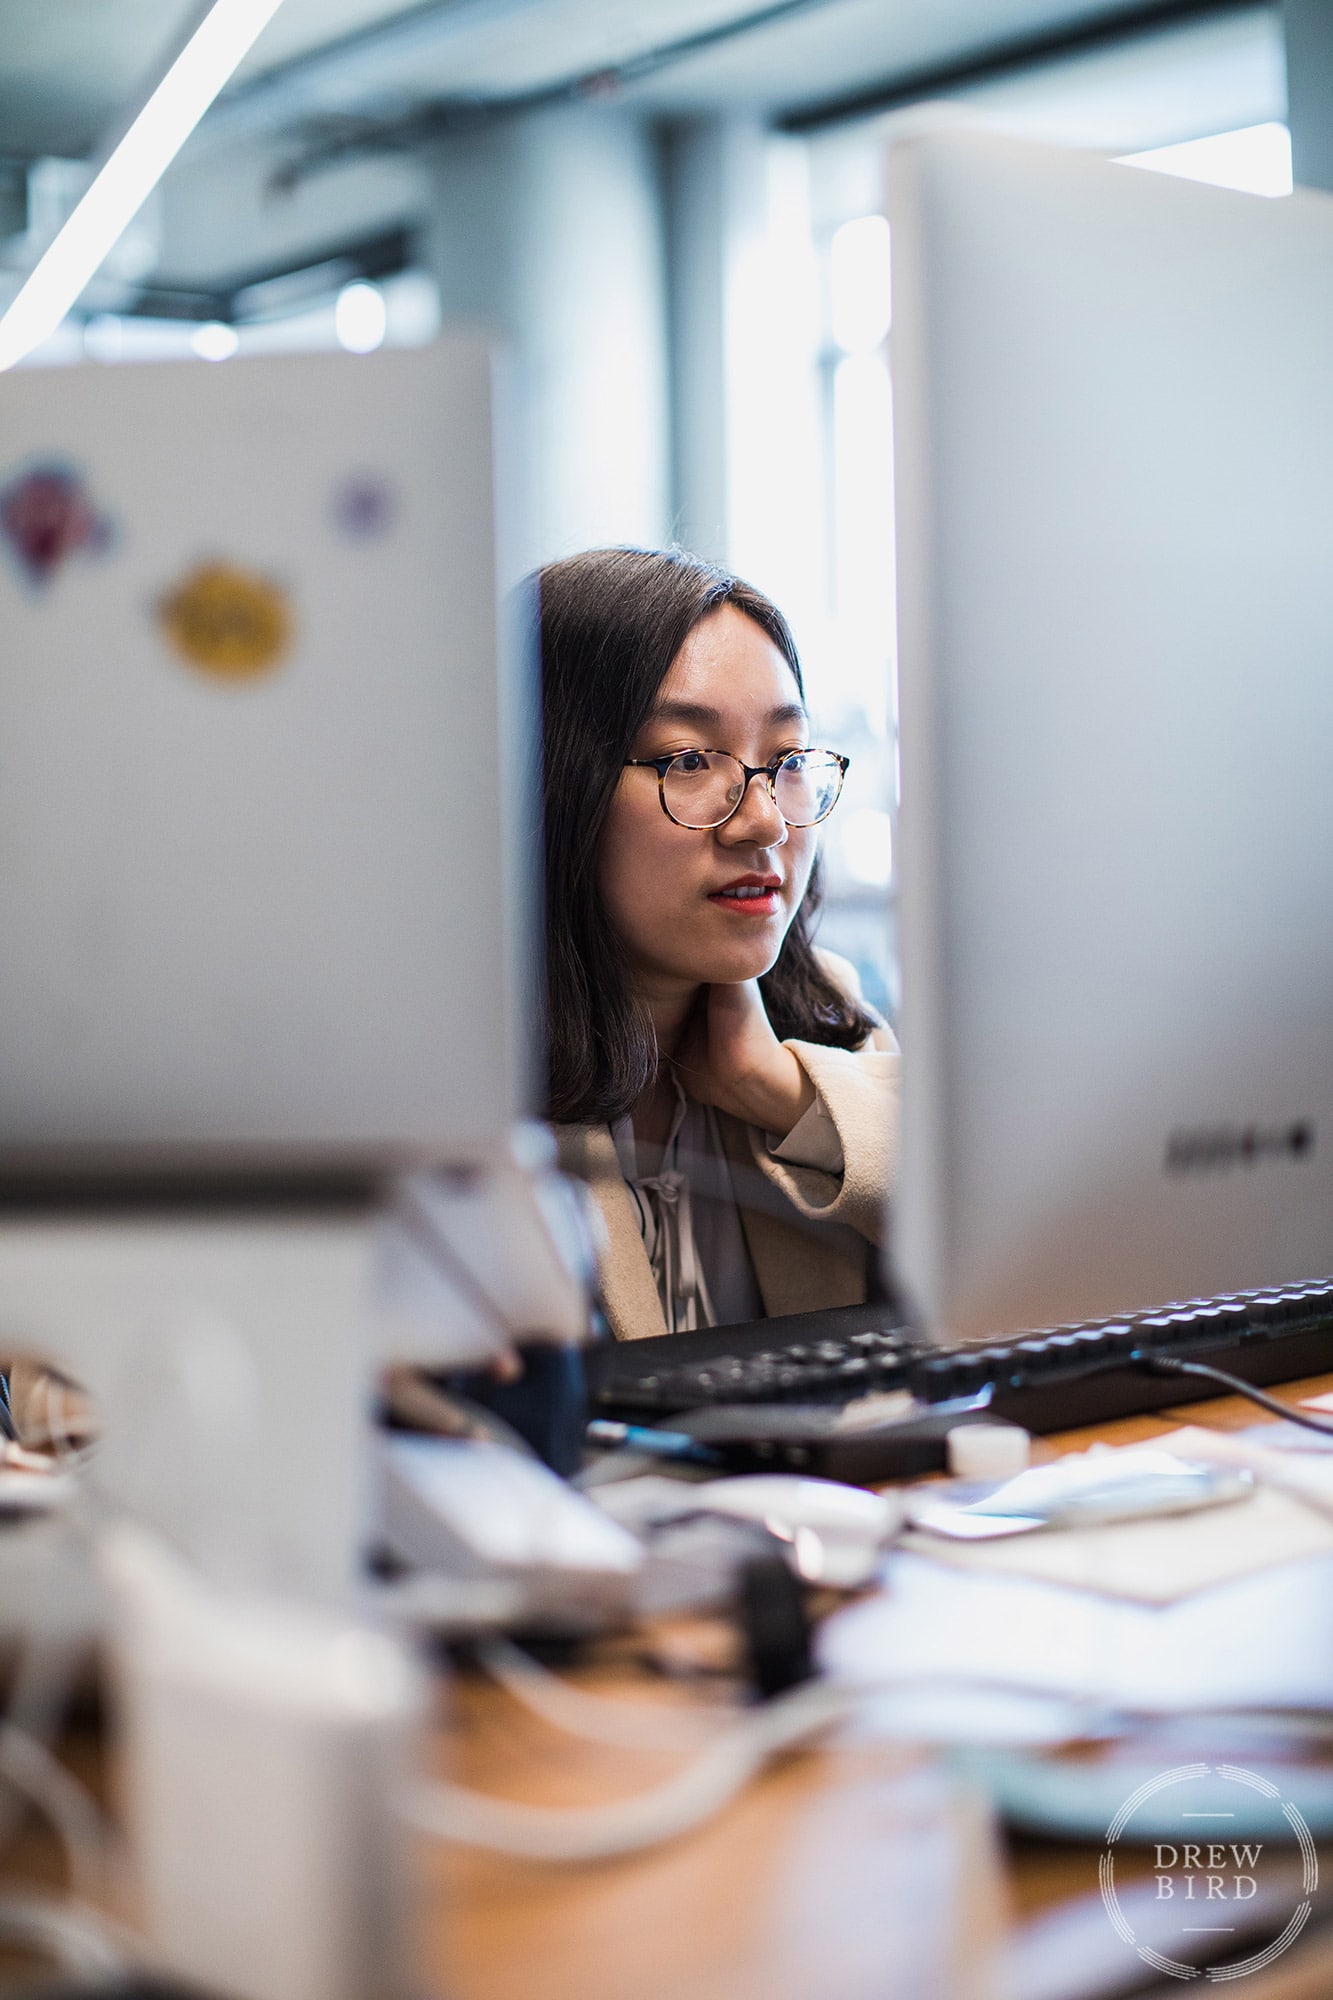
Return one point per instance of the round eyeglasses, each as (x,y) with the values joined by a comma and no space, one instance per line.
(703,788)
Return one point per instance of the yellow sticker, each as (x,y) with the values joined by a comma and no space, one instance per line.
(228,621)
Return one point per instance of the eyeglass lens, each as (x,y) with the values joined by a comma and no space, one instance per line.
(703,787)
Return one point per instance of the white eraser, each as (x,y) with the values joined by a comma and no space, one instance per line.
(987,1451)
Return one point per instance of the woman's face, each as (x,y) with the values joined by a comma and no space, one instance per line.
(671,891)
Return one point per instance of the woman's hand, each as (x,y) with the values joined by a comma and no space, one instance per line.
(730,1057)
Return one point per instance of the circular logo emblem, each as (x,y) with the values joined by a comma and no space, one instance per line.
(1213,1832)
(227,621)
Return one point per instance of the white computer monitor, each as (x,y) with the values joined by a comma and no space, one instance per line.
(268,811)
(269,836)
(1113,448)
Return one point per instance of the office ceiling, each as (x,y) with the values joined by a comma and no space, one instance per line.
(70,69)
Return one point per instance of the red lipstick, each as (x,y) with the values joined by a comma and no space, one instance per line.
(749,895)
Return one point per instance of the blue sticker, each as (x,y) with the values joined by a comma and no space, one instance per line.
(364,507)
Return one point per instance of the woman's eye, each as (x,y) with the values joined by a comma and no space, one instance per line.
(691,761)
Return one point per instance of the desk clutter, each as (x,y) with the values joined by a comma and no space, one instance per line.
(1057,1673)
(1122,1621)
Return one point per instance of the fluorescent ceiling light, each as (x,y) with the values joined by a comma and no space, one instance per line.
(360,318)
(218,44)
(214,341)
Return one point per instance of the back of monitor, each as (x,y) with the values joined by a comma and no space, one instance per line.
(1114,474)
(263,776)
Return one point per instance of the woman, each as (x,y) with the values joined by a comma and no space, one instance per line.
(718,1082)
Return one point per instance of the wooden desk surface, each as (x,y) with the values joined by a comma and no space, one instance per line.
(844,1873)
(834,1875)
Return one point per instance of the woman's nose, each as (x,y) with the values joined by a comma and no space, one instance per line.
(756,821)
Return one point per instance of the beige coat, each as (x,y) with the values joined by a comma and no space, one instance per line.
(809,1233)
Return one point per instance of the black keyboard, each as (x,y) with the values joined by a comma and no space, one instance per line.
(792,1392)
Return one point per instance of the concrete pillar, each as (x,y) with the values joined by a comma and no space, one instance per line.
(747,461)
(1308,28)
(713,175)
(547,228)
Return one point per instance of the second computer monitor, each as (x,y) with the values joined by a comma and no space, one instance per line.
(268,802)
(1114,474)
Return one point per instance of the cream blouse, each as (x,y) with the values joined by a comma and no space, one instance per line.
(687,1209)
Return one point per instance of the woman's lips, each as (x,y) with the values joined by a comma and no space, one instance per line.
(748,900)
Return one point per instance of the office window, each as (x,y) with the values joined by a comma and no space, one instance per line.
(807,507)
(862,427)
(856,669)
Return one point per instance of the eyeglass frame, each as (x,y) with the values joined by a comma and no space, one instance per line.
(768,771)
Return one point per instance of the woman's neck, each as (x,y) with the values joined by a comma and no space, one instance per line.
(669,1010)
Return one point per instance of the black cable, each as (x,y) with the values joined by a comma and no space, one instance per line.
(1168,1364)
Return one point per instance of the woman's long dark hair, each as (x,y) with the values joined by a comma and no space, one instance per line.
(612,622)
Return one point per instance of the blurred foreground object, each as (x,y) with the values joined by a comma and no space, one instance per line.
(47,1410)
(261,1747)
(265,1079)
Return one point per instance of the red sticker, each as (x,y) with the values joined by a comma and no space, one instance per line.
(47,516)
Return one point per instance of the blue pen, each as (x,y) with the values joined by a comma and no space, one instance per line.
(656,1444)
